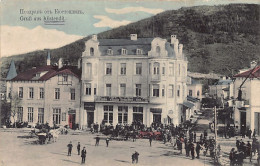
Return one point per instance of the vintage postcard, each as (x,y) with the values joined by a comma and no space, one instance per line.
(129,82)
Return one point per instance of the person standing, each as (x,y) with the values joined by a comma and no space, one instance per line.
(205,134)
(150,140)
(97,141)
(254,133)
(192,148)
(198,148)
(83,155)
(69,148)
(107,141)
(249,133)
(195,136)
(78,148)
(232,156)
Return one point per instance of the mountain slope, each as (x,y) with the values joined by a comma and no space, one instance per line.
(220,39)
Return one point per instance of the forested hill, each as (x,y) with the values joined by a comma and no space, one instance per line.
(220,39)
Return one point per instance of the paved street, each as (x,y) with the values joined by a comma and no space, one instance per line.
(24,152)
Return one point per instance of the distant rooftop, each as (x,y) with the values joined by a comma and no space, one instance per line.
(255,73)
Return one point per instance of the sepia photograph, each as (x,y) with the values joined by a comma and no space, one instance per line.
(130,82)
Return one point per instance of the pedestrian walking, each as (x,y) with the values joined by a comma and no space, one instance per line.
(232,156)
(195,136)
(78,148)
(83,155)
(69,148)
(198,148)
(249,133)
(135,157)
(254,133)
(205,134)
(107,141)
(150,140)
(192,148)
(97,141)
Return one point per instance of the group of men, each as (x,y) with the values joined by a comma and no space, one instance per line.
(83,151)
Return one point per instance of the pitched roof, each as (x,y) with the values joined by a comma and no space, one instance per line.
(131,46)
(12,71)
(255,73)
(44,73)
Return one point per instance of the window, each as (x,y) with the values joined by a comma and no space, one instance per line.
(158,51)
(20,114)
(179,69)
(156,90)
(95,89)
(138,114)
(30,114)
(72,94)
(89,70)
(110,52)
(108,68)
(56,115)
(178,90)
(108,114)
(122,114)
(91,51)
(150,68)
(171,69)
(171,91)
(57,93)
(65,78)
(123,51)
(20,93)
(40,115)
(123,69)
(190,92)
(63,116)
(137,109)
(41,93)
(30,93)
(108,89)
(198,93)
(163,70)
(156,67)
(138,89)
(88,89)
(122,89)
(139,51)
(163,90)
(139,68)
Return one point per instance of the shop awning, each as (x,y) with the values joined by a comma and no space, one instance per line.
(89,106)
(156,110)
(188,104)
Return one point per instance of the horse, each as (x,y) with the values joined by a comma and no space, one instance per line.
(54,134)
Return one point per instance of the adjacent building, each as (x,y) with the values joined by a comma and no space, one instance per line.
(133,80)
(247,104)
(47,94)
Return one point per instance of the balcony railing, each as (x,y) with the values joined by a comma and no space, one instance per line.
(121,99)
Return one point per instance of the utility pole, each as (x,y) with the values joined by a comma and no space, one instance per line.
(216,134)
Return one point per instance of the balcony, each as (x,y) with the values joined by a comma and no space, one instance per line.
(155,78)
(114,99)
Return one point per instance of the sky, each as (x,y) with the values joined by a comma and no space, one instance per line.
(29,25)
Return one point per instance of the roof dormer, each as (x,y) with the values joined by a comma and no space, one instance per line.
(139,51)
(123,51)
(109,51)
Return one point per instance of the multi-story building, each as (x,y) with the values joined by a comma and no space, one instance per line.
(222,88)
(136,79)
(194,88)
(247,105)
(47,94)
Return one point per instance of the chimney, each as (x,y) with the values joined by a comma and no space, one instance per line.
(94,37)
(79,63)
(133,36)
(224,78)
(173,38)
(49,58)
(180,49)
(60,63)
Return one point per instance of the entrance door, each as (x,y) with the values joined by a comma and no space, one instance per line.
(138,118)
(157,118)
(257,123)
(72,119)
(243,121)
(90,118)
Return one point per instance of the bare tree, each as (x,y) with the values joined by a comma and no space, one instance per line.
(15,103)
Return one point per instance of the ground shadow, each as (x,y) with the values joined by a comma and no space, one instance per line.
(71,161)
(122,161)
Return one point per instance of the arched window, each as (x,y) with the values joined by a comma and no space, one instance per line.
(156,67)
(158,51)
(198,93)
(91,51)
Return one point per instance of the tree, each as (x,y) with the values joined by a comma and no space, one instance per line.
(5,112)
(15,103)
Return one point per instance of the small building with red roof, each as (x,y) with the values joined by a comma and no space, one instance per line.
(247,105)
(49,93)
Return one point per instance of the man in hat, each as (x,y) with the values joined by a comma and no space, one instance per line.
(69,148)
(83,155)
(97,140)
(78,148)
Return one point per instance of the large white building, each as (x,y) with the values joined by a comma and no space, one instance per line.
(135,79)
(247,109)
(48,94)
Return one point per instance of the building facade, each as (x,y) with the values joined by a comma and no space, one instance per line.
(48,94)
(247,107)
(133,80)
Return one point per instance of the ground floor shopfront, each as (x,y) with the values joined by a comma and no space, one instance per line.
(127,113)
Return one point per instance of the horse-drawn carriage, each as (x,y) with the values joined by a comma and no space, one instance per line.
(146,134)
